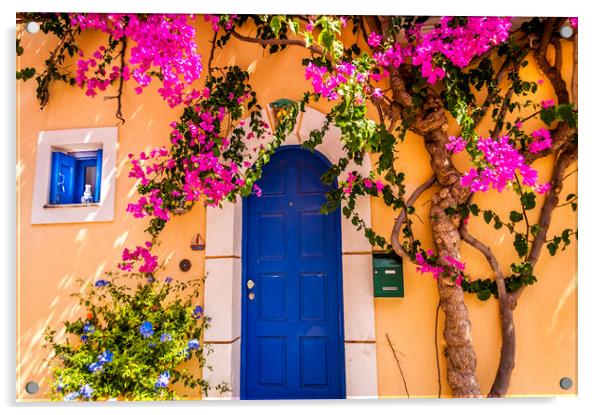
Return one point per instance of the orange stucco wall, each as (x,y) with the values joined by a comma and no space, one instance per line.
(52,257)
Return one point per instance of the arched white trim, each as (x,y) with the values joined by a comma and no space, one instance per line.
(223,283)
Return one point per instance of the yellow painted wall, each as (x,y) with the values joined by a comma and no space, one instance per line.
(52,257)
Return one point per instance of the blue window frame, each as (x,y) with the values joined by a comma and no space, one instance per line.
(69,174)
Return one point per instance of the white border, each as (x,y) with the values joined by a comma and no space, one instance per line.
(82,139)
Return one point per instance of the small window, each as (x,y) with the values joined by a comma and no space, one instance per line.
(75,177)
(67,163)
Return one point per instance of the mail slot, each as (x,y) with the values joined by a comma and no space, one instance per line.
(388,275)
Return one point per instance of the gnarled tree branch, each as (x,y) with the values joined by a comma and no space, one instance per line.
(287,42)
(397,247)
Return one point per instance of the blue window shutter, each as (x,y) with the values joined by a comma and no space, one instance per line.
(98,176)
(62,179)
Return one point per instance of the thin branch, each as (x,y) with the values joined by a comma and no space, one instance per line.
(567,156)
(506,305)
(397,247)
(486,251)
(119,95)
(520,190)
(288,42)
(45,83)
(213,42)
(569,174)
(405,385)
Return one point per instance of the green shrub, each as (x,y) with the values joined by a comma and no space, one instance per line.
(132,342)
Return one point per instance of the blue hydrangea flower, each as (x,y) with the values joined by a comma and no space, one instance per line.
(152,345)
(60,386)
(193,344)
(197,312)
(168,280)
(88,328)
(84,338)
(105,357)
(86,391)
(162,380)
(146,329)
(71,396)
(101,283)
(94,367)
(165,337)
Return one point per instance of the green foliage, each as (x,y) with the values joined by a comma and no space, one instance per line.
(522,276)
(56,65)
(116,308)
(26,73)
(563,239)
(564,112)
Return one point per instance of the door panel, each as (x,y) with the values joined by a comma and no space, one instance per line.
(293,326)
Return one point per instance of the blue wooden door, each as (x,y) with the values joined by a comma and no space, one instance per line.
(62,179)
(292,346)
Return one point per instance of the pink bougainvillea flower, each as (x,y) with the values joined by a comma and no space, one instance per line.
(140,253)
(503,163)
(374,40)
(424,267)
(547,103)
(456,144)
(541,140)
(379,186)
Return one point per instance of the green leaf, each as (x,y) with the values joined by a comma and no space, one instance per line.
(20,49)
(552,247)
(474,209)
(483,295)
(548,115)
(497,223)
(309,39)
(26,73)
(275,24)
(528,200)
(326,39)
(566,236)
(520,244)
(293,26)
(516,216)
(487,215)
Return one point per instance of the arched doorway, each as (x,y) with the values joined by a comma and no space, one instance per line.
(292,309)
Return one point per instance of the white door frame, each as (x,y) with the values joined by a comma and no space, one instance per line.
(223,280)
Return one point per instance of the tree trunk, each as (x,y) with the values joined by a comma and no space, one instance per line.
(460,355)
(508,350)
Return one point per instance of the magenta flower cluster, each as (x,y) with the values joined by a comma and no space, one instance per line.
(352,179)
(459,43)
(329,85)
(503,164)
(163,43)
(542,140)
(140,254)
(451,265)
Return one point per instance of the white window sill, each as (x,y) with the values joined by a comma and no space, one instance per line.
(72,205)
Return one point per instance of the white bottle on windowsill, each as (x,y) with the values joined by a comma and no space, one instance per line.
(87,196)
